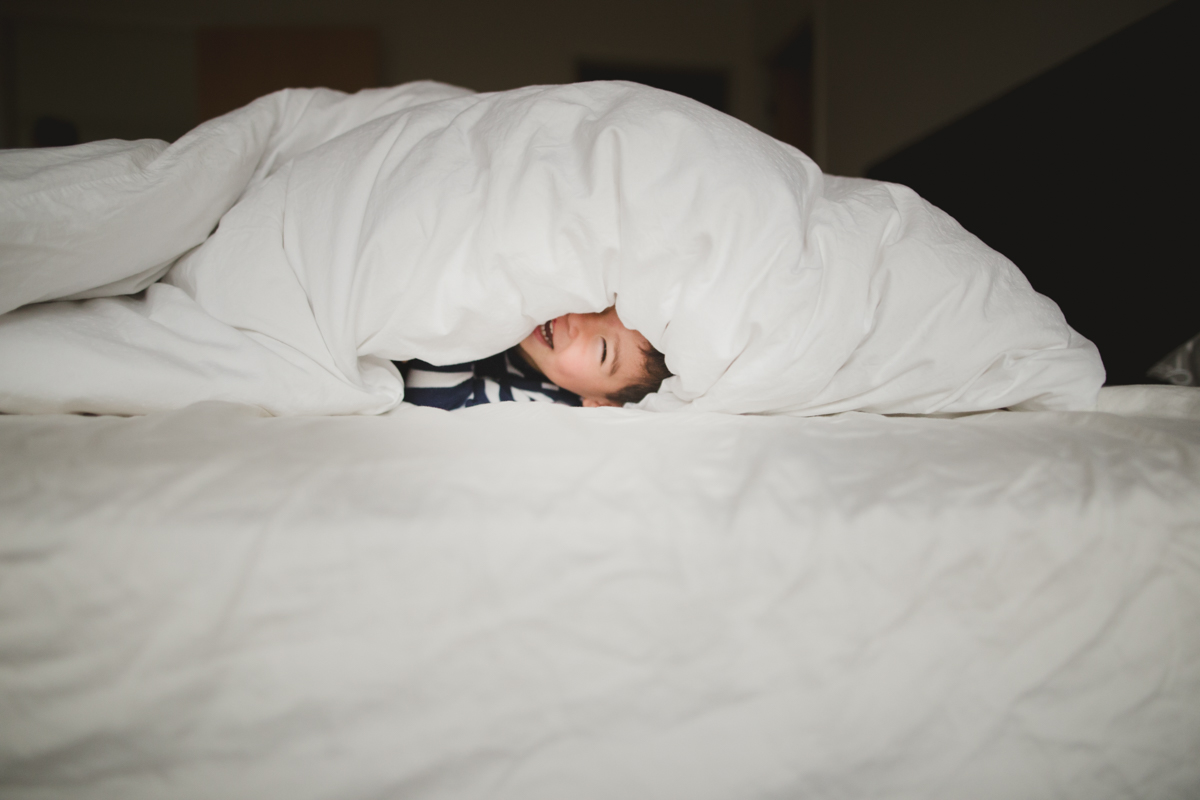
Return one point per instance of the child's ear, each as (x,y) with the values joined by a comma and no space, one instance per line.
(590,403)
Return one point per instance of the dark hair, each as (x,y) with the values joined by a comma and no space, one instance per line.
(654,372)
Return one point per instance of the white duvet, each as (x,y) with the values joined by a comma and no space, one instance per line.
(533,602)
(426,221)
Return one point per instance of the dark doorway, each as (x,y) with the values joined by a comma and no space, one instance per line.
(791,99)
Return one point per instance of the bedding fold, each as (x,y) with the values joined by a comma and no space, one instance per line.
(425,221)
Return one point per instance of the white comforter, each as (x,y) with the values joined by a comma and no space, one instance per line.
(528,602)
(427,221)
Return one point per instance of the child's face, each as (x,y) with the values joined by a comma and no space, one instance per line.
(591,355)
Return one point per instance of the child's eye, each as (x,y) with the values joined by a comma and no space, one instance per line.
(603,350)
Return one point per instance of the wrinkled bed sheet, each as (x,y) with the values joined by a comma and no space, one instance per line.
(526,601)
(430,222)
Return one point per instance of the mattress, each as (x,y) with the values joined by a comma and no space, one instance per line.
(531,601)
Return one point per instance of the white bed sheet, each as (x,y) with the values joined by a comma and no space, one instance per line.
(529,601)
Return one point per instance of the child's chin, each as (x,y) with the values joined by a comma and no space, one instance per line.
(527,348)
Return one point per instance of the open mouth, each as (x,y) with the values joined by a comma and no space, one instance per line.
(548,333)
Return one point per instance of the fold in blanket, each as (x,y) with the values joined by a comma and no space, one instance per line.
(425,221)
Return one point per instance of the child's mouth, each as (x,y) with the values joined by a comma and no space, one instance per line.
(548,333)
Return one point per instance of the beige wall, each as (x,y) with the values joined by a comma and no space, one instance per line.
(888,71)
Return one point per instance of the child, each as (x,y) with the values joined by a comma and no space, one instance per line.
(576,359)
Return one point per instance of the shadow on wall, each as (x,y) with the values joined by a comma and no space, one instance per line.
(1047,175)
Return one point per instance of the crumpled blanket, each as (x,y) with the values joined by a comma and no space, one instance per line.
(284,254)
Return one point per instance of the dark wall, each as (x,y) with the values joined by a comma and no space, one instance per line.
(133,69)
(1086,178)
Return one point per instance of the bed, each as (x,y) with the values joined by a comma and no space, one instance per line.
(533,601)
(816,563)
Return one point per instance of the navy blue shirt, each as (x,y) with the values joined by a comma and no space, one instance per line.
(500,378)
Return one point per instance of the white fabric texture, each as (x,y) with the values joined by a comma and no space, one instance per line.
(533,602)
(1151,400)
(424,221)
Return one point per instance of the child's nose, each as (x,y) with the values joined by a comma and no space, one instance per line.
(583,323)
(577,325)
